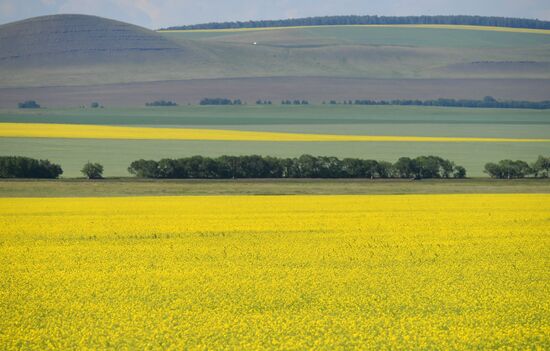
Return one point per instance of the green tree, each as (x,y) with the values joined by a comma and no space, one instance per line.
(541,167)
(493,170)
(385,169)
(144,169)
(459,172)
(92,170)
(405,167)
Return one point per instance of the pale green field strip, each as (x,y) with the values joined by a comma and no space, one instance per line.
(71,131)
(116,155)
(412,26)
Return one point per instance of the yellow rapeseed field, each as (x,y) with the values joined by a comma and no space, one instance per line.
(76,131)
(427,272)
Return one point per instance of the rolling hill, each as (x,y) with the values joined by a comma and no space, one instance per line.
(77,40)
(315,63)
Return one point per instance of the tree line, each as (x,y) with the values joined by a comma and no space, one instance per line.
(25,167)
(28,104)
(509,169)
(355,20)
(487,102)
(305,166)
(220,101)
(161,103)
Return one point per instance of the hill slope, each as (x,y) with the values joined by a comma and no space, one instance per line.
(71,50)
(77,39)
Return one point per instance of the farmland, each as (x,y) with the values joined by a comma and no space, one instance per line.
(334,272)
(418,254)
(347,52)
(31,188)
(346,122)
(72,131)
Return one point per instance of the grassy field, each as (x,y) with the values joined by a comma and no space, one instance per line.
(314,89)
(265,272)
(143,187)
(373,52)
(388,52)
(316,119)
(415,35)
(116,155)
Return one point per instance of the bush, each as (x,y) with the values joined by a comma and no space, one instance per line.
(92,170)
(28,104)
(25,167)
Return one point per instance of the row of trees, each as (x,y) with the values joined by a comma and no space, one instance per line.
(509,169)
(487,102)
(294,102)
(355,20)
(28,104)
(220,101)
(161,103)
(263,102)
(305,166)
(25,167)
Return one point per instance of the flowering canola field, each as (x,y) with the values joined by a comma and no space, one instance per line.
(78,131)
(287,272)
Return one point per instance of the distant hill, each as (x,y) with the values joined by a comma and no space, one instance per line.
(77,39)
(311,63)
(355,20)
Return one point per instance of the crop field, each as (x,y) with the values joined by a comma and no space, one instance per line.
(335,51)
(301,272)
(71,131)
(36,188)
(341,131)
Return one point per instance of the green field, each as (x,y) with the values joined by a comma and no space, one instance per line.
(116,155)
(375,52)
(327,119)
(144,187)
(371,35)
(367,52)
